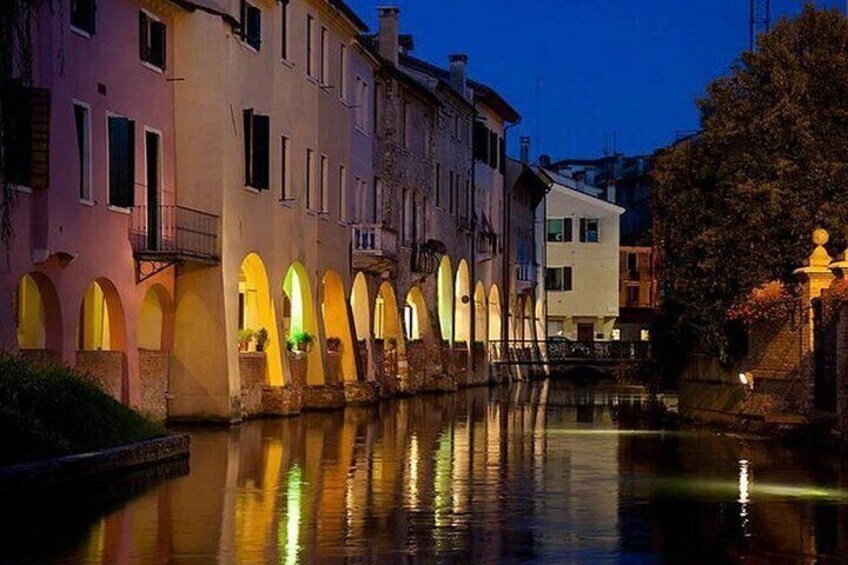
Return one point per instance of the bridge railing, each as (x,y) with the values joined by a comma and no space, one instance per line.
(560,351)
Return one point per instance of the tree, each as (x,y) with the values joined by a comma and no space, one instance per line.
(737,203)
(17,20)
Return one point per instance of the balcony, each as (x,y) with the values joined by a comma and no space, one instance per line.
(375,248)
(487,243)
(167,235)
(526,274)
(424,259)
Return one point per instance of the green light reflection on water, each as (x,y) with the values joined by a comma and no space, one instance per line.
(288,531)
(690,486)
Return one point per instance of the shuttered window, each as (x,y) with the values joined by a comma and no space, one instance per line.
(257,153)
(502,161)
(481,142)
(589,230)
(26,135)
(251,25)
(83,15)
(493,150)
(151,40)
(82,121)
(121,162)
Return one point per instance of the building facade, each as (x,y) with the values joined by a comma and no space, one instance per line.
(582,263)
(263,209)
(637,294)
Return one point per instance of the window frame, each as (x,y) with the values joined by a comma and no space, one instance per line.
(310,48)
(285,30)
(146,52)
(119,207)
(285,169)
(584,230)
(309,181)
(246,9)
(324,184)
(324,56)
(85,185)
(78,27)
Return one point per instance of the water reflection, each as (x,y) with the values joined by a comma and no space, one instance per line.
(530,472)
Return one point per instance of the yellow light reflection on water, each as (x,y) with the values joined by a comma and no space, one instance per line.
(288,537)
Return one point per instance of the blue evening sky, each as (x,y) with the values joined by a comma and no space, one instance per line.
(579,70)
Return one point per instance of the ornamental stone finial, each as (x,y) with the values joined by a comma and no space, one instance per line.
(819,260)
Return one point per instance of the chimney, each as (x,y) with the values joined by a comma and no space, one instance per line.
(524,142)
(388,38)
(458,64)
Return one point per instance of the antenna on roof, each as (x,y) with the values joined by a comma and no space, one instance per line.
(759,20)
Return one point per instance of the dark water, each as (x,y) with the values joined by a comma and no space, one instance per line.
(528,473)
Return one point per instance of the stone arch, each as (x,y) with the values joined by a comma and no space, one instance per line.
(416,317)
(337,322)
(256,312)
(541,330)
(387,325)
(445,293)
(462,303)
(360,305)
(300,317)
(495,314)
(38,314)
(101,325)
(155,320)
(481,324)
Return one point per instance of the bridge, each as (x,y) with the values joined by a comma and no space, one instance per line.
(527,358)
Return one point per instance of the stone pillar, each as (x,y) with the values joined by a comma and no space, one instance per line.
(840,270)
(815,277)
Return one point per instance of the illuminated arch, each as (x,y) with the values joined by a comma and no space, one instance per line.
(540,319)
(444,284)
(481,329)
(462,303)
(101,323)
(494,314)
(39,318)
(415,316)
(527,318)
(301,317)
(337,321)
(155,320)
(387,317)
(360,305)
(256,312)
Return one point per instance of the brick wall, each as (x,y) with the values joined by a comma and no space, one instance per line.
(106,367)
(252,374)
(153,369)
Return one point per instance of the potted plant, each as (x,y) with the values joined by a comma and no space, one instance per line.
(299,342)
(261,339)
(334,344)
(245,336)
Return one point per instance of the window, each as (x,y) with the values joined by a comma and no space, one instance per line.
(82,119)
(151,40)
(310,55)
(555,327)
(493,150)
(325,56)
(344,213)
(481,142)
(559,229)
(378,104)
(361,202)
(324,186)
(308,180)
(632,295)
(285,168)
(83,15)
(26,135)
(251,24)
(257,155)
(408,215)
(633,266)
(589,230)
(502,164)
(406,124)
(121,162)
(466,199)
(284,29)
(361,103)
(645,335)
(438,187)
(558,278)
(343,94)
(451,202)
(376,199)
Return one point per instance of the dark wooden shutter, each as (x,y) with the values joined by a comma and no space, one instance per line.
(254,16)
(121,162)
(160,44)
(243,19)
(583,225)
(128,195)
(17,134)
(143,34)
(481,142)
(493,150)
(92,16)
(248,145)
(502,162)
(261,152)
(40,137)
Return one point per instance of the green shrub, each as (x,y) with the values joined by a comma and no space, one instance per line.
(50,411)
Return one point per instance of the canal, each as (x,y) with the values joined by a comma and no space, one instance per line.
(531,472)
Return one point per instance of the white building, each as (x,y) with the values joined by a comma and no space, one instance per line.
(582,262)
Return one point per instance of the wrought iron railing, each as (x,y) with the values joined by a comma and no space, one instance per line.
(423,259)
(526,272)
(174,229)
(486,242)
(553,351)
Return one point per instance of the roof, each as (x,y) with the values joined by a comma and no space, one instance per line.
(213,7)
(555,182)
(369,43)
(485,94)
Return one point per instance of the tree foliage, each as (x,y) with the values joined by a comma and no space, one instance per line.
(737,203)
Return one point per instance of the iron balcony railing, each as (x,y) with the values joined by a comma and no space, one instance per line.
(374,239)
(174,230)
(554,350)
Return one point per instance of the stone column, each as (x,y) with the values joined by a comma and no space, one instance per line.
(815,277)
(840,270)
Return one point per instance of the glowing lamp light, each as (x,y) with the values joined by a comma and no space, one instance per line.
(747,379)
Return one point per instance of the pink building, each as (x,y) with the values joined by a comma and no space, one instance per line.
(101,117)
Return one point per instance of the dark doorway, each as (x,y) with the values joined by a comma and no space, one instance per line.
(585,333)
(151,141)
